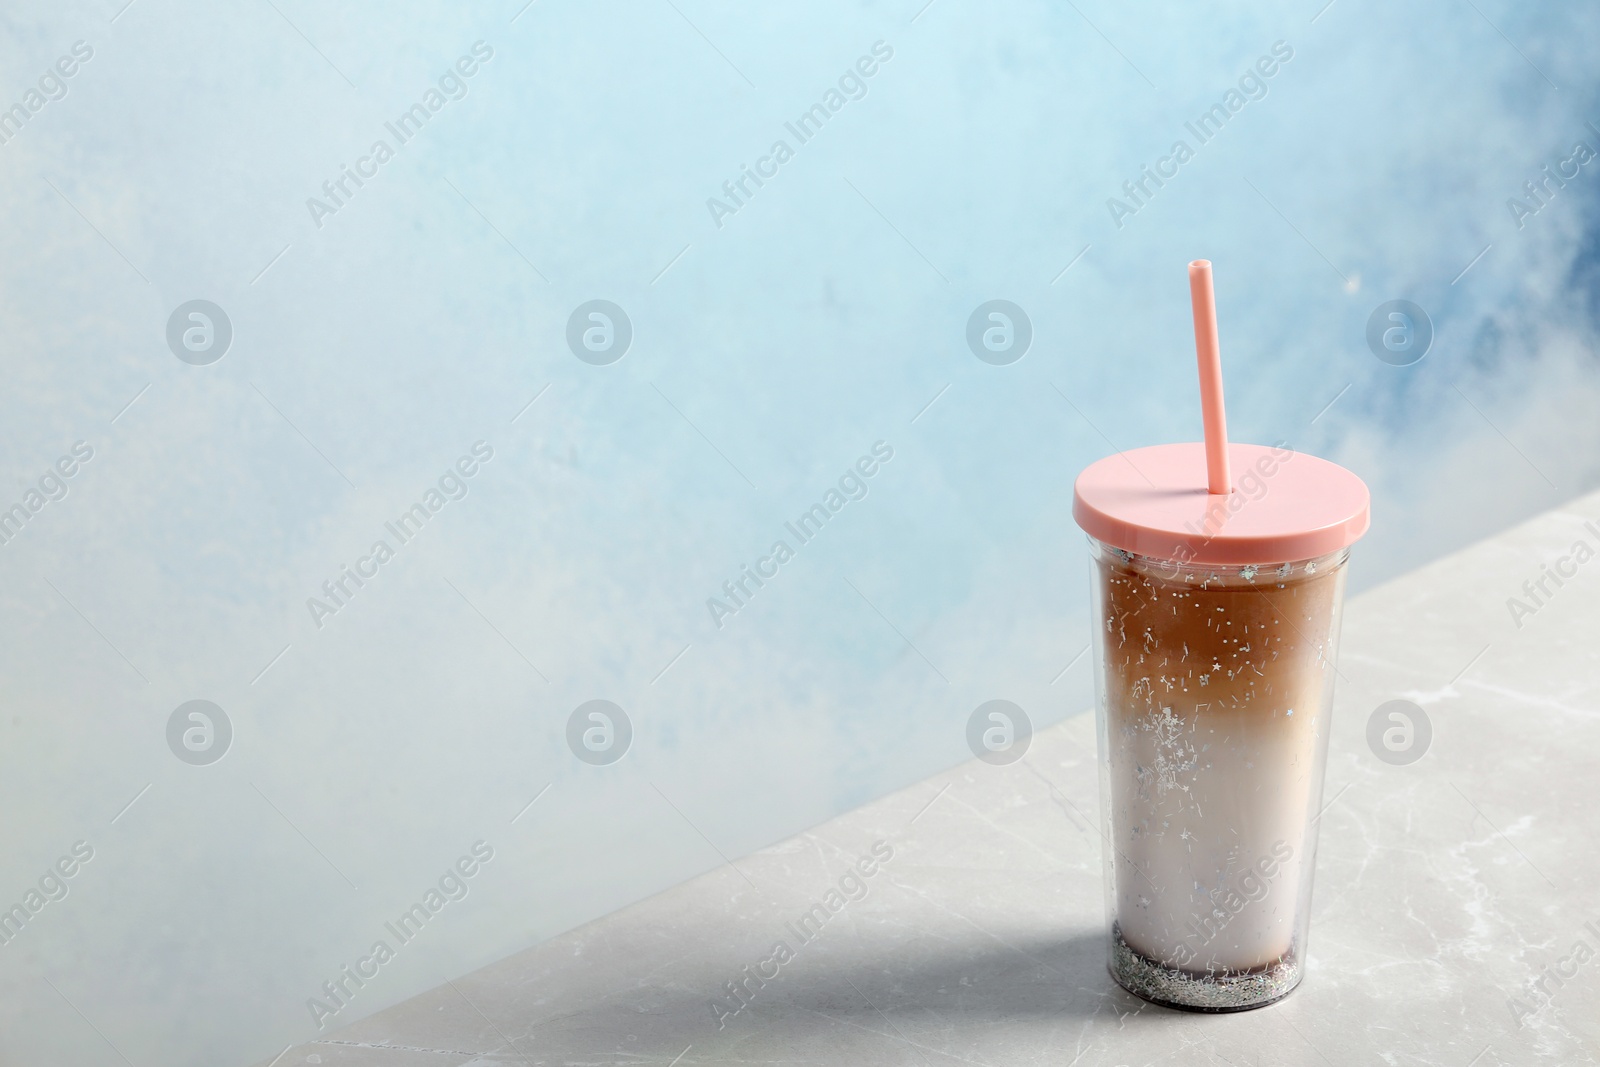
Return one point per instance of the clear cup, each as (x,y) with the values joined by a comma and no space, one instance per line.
(1215,694)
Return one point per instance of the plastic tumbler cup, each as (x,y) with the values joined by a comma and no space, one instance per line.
(1216,619)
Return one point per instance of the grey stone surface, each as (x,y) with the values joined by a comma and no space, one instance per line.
(1448,890)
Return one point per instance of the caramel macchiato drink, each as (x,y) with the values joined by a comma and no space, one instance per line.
(1216,684)
(1217,575)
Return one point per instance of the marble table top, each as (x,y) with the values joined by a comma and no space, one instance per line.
(1456,918)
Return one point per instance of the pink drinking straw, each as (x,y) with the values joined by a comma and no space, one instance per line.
(1209,356)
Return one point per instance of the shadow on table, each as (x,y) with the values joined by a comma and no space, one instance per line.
(970,983)
(944,984)
(836,992)
(833,997)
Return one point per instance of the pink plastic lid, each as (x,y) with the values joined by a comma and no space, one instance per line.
(1285,505)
